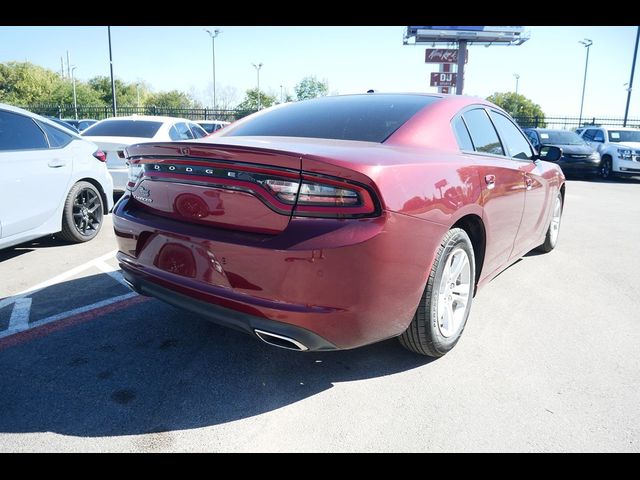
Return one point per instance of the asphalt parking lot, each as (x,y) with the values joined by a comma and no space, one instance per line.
(549,361)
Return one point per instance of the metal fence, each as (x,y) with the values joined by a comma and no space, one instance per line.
(571,123)
(101,112)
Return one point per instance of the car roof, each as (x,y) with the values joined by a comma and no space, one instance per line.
(40,118)
(152,118)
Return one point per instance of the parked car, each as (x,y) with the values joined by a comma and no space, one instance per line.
(577,156)
(80,125)
(619,148)
(113,135)
(212,125)
(51,180)
(62,123)
(340,221)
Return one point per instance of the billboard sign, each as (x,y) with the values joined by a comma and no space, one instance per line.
(486,35)
(439,79)
(442,55)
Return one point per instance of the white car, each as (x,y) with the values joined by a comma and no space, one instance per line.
(113,135)
(619,148)
(51,180)
(212,125)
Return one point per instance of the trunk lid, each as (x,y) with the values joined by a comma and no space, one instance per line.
(227,186)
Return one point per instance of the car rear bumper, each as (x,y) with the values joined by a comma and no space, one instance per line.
(346,282)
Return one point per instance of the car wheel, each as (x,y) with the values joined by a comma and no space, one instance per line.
(83,213)
(444,306)
(551,239)
(605,168)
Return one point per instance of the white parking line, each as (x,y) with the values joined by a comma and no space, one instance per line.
(20,315)
(69,313)
(113,272)
(57,278)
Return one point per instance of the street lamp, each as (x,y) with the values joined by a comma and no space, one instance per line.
(75,102)
(138,95)
(587,43)
(517,78)
(258,67)
(213,36)
(281,97)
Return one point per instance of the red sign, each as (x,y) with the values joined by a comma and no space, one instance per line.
(443,79)
(442,55)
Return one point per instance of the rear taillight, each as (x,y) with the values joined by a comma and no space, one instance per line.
(100,155)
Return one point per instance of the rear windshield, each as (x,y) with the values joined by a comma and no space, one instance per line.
(560,138)
(369,118)
(123,128)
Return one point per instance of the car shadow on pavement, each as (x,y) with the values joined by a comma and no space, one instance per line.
(26,247)
(150,367)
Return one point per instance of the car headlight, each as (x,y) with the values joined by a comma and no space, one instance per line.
(624,154)
(594,156)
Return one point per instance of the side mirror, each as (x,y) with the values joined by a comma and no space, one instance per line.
(550,153)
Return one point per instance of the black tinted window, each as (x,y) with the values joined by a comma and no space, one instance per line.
(18,132)
(123,128)
(462,134)
(589,134)
(532,136)
(598,136)
(197,130)
(369,118)
(516,143)
(57,138)
(484,136)
(208,127)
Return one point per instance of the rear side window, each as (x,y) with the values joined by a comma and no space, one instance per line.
(598,136)
(57,138)
(484,136)
(589,134)
(515,141)
(462,135)
(18,132)
(123,128)
(368,118)
(197,130)
(208,127)
(180,131)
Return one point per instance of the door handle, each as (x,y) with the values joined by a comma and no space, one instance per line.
(529,183)
(56,163)
(490,181)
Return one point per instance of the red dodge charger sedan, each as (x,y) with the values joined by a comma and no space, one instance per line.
(341,221)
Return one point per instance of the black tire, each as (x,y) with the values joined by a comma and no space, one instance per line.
(605,168)
(423,335)
(83,213)
(550,241)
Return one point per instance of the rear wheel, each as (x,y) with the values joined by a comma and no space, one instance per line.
(445,304)
(551,239)
(83,213)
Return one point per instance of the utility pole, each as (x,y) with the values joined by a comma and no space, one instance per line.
(633,69)
(68,65)
(75,101)
(61,67)
(113,84)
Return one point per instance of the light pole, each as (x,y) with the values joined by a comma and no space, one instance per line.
(517,78)
(113,82)
(75,101)
(213,36)
(587,43)
(137,95)
(633,69)
(258,67)
(281,97)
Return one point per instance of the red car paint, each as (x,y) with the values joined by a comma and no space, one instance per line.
(351,281)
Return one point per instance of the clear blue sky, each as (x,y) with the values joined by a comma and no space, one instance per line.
(352,59)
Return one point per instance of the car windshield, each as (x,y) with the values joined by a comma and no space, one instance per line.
(561,138)
(368,118)
(624,136)
(123,128)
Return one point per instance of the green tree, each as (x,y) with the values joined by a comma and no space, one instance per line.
(518,106)
(250,101)
(23,83)
(311,87)
(126,93)
(172,99)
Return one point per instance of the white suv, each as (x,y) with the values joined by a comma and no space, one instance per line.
(619,148)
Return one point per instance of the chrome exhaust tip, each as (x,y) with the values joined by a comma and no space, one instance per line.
(280,341)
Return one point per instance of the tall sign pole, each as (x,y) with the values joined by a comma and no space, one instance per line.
(113,83)
(462,55)
(633,69)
